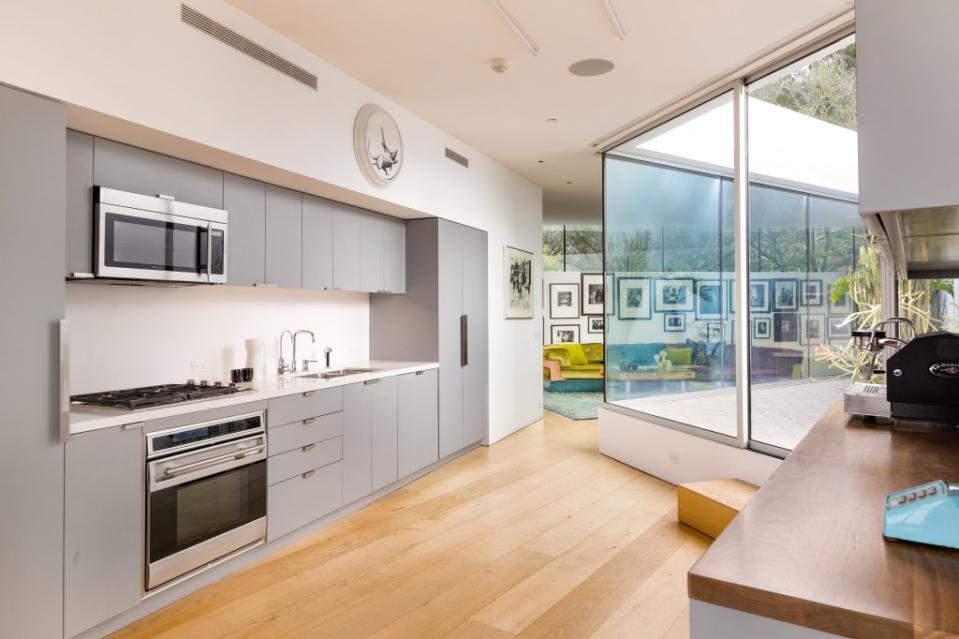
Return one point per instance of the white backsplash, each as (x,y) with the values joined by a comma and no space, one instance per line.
(136,336)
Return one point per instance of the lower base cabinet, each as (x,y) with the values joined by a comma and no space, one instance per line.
(418,421)
(304,498)
(103,531)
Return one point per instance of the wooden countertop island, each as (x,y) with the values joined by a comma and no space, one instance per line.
(808,548)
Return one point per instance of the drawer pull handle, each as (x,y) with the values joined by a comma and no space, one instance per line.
(371,381)
(309,393)
(308,448)
(308,421)
(308,474)
(420,372)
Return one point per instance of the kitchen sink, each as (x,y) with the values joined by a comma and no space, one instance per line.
(343,372)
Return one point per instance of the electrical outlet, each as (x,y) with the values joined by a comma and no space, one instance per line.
(197,367)
(674,457)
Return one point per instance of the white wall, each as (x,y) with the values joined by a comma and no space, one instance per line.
(137,63)
(565,277)
(675,456)
(136,336)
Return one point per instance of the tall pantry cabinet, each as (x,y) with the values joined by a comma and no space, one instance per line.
(443,316)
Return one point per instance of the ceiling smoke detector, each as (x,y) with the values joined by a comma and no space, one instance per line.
(500,65)
(591,67)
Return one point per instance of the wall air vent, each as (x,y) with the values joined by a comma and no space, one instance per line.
(456,157)
(196,19)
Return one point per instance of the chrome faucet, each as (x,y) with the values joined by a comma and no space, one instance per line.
(282,367)
(306,362)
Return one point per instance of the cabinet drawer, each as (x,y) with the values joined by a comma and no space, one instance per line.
(307,431)
(292,408)
(301,460)
(303,499)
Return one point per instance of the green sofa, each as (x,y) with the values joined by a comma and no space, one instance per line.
(573,361)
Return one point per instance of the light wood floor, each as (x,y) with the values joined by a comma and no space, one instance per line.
(537,536)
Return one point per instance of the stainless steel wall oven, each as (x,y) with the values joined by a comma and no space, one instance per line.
(206,494)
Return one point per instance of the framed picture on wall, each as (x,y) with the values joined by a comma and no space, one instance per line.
(564,301)
(674,322)
(609,296)
(842,305)
(593,293)
(709,299)
(714,332)
(674,294)
(759,296)
(837,328)
(595,324)
(762,328)
(634,299)
(518,267)
(786,327)
(811,293)
(565,333)
(812,329)
(785,295)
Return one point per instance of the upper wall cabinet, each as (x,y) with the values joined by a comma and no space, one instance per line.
(128,168)
(284,222)
(372,264)
(245,200)
(906,91)
(317,242)
(394,255)
(347,260)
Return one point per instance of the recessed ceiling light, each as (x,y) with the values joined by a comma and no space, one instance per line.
(591,67)
(540,161)
(569,181)
(552,120)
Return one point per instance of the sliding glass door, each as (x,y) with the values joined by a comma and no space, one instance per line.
(670,252)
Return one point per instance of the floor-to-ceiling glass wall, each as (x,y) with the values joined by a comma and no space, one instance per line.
(669,264)
(805,236)
(670,252)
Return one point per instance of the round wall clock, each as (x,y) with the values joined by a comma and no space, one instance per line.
(378,145)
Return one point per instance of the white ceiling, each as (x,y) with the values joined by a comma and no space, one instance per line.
(432,56)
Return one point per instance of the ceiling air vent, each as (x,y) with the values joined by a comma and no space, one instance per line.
(228,36)
(456,157)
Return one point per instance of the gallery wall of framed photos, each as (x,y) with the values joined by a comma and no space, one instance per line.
(573,307)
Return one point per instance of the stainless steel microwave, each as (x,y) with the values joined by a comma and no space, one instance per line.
(140,237)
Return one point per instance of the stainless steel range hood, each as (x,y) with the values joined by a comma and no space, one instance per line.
(923,243)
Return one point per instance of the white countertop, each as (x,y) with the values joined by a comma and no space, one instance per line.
(87,418)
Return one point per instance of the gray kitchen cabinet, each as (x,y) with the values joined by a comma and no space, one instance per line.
(394,256)
(317,243)
(128,168)
(446,299)
(418,421)
(32,204)
(245,201)
(369,437)
(284,221)
(357,443)
(103,529)
(905,58)
(451,285)
(382,396)
(475,294)
(347,239)
(372,263)
(303,499)
(79,204)
(305,407)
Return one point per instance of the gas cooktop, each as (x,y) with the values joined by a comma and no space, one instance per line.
(152,396)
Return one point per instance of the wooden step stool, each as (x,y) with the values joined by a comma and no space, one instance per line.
(709,506)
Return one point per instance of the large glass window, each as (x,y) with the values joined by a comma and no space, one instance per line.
(812,274)
(576,248)
(669,259)
(803,229)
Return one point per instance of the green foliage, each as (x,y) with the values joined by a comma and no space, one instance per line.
(824,89)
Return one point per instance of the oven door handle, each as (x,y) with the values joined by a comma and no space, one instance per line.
(176,471)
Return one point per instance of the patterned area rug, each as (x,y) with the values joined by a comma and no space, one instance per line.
(573,405)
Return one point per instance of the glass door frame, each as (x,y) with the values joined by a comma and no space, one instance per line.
(743,339)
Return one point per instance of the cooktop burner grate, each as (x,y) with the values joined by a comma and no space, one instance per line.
(150,396)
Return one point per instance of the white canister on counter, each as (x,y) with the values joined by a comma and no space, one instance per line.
(256,357)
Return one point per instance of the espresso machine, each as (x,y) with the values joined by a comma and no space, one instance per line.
(863,397)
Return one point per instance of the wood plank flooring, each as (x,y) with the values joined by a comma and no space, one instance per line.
(536,536)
